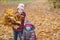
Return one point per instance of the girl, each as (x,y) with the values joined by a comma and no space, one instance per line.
(28,33)
(19,30)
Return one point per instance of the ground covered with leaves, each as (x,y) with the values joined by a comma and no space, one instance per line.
(46,22)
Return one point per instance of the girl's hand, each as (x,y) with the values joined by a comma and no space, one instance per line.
(18,22)
(22,16)
(16,26)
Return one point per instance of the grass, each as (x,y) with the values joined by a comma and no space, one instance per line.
(16,1)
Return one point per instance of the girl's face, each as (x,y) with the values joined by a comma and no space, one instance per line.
(19,10)
(28,28)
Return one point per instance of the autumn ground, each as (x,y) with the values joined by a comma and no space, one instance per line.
(47,22)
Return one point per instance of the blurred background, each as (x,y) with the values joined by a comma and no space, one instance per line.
(43,14)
